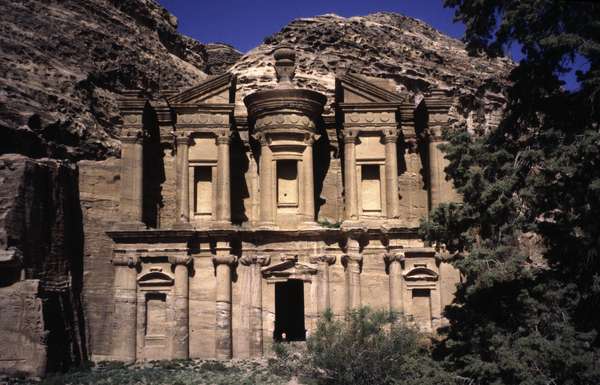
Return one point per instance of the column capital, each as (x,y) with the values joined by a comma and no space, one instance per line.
(394,257)
(131,135)
(390,135)
(180,259)
(328,259)
(182,137)
(352,258)
(261,260)
(224,259)
(310,139)
(125,260)
(223,137)
(350,136)
(262,138)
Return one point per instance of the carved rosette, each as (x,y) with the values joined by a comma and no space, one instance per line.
(260,260)
(284,121)
(370,119)
(203,119)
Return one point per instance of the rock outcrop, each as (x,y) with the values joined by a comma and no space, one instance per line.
(414,55)
(219,57)
(64,62)
(41,266)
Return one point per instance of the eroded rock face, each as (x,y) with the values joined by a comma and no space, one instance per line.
(63,63)
(220,57)
(41,266)
(386,45)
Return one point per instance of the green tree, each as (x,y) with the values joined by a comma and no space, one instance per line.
(373,347)
(517,319)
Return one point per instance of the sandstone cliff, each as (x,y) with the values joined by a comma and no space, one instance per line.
(63,62)
(41,266)
(414,55)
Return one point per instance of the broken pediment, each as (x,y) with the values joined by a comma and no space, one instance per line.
(353,88)
(289,269)
(214,90)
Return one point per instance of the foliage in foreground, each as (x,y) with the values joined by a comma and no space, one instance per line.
(177,372)
(372,347)
(521,318)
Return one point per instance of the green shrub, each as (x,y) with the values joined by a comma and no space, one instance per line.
(372,347)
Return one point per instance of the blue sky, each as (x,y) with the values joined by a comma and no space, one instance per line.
(244,24)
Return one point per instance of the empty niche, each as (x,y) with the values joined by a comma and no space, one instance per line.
(421,307)
(371,189)
(203,190)
(156,314)
(287,183)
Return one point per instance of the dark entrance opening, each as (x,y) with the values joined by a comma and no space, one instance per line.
(289,311)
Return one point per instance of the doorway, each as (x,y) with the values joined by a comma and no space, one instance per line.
(289,311)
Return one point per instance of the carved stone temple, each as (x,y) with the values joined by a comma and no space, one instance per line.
(239,224)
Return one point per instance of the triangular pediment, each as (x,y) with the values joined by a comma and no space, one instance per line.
(214,90)
(352,88)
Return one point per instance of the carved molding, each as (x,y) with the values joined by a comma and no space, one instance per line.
(202,118)
(286,120)
(328,259)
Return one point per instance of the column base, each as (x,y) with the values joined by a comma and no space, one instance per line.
(309,225)
(129,225)
(267,226)
(183,226)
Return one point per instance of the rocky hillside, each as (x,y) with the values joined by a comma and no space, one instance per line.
(387,45)
(63,62)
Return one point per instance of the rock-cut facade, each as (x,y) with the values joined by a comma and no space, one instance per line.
(233,226)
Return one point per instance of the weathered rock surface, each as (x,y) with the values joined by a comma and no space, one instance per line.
(219,57)
(63,62)
(386,45)
(41,241)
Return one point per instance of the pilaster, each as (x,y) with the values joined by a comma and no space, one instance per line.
(323,291)
(124,341)
(223,262)
(256,262)
(181,338)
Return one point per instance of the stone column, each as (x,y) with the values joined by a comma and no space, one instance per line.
(394,262)
(223,262)
(125,316)
(256,262)
(350,182)
(440,189)
(308,180)
(391,172)
(353,260)
(183,181)
(267,205)
(181,338)
(132,163)
(323,294)
(223,179)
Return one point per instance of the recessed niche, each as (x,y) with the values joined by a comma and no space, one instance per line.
(203,190)
(371,189)
(287,183)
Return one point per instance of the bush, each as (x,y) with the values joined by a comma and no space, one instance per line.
(373,347)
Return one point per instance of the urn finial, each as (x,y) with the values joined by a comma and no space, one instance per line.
(285,64)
